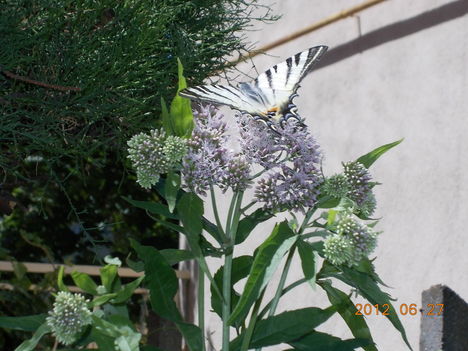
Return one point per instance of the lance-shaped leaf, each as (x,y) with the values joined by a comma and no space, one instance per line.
(26,323)
(317,341)
(266,261)
(240,269)
(368,159)
(84,282)
(162,283)
(347,310)
(166,118)
(108,276)
(153,207)
(285,327)
(190,210)
(181,109)
(174,256)
(127,290)
(30,345)
(171,189)
(307,255)
(247,224)
(368,288)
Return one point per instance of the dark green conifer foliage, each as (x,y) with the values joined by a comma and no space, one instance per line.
(78,78)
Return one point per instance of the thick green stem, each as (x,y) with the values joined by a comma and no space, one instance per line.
(282,281)
(287,265)
(231,229)
(252,322)
(201,305)
(215,211)
(285,290)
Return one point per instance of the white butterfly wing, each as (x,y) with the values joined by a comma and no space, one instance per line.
(270,91)
(225,95)
(282,80)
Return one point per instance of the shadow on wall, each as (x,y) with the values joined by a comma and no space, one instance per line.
(395,31)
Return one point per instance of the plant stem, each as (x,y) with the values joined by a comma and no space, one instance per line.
(284,275)
(287,265)
(253,320)
(215,211)
(284,291)
(231,229)
(201,305)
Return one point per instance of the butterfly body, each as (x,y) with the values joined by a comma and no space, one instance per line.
(268,97)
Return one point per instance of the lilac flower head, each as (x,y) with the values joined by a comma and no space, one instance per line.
(236,174)
(293,177)
(359,179)
(208,162)
(258,142)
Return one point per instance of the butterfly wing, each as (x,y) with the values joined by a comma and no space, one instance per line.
(271,91)
(281,81)
(239,99)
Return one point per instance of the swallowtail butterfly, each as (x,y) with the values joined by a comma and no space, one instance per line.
(268,97)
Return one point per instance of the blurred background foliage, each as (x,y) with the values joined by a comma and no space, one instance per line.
(105,65)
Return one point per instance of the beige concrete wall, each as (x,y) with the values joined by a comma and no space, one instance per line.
(407,81)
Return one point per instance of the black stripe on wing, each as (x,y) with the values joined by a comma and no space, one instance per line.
(217,94)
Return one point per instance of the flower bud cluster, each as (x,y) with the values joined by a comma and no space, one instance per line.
(352,242)
(154,154)
(355,184)
(69,316)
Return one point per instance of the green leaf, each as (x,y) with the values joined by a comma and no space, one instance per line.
(26,323)
(173,256)
(30,345)
(285,327)
(166,118)
(150,348)
(266,261)
(162,283)
(324,342)
(102,299)
(212,229)
(84,282)
(127,291)
(108,275)
(152,207)
(60,284)
(368,288)
(137,266)
(307,255)
(190,210)
(368,159)
(181,109)
(171,189)
(173,226)
(248,224)
(347,310)
(240,269)
(325,201)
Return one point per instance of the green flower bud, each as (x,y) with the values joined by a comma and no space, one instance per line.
(70,315)
(154,154)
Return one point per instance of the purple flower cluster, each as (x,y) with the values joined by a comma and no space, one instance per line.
(291,156)
(208,162)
